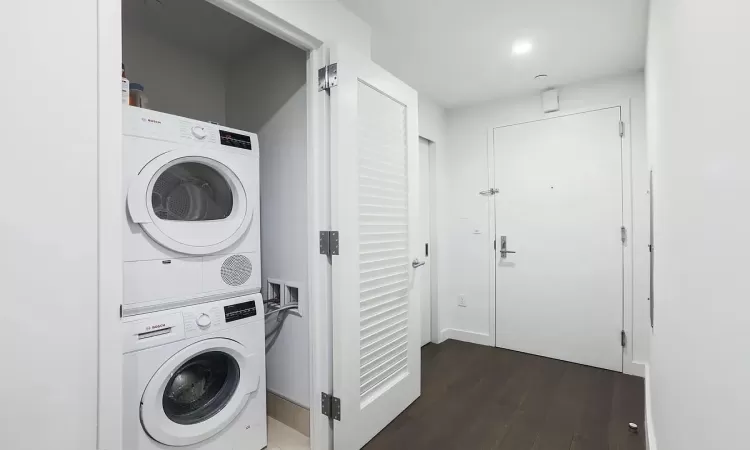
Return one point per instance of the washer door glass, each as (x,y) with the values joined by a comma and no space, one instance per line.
(201,387)
(191,191)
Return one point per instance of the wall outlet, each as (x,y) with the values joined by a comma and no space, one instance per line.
(462,301)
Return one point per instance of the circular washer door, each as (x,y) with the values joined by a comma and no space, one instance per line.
(190,203)
(198,392)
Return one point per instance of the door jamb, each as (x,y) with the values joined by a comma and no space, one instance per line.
(110,215)
(628,365)
(434,304)
(434,248)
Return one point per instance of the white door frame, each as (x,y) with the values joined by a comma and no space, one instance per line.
(111,217)
(629,367)
(434,311)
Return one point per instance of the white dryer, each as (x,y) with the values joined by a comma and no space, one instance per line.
(194,377)
(192,197)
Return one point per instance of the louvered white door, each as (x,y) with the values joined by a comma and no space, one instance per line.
(374,186)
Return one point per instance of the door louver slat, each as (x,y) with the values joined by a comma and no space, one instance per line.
(383,248)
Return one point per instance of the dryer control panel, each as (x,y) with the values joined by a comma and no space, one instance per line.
(151,124)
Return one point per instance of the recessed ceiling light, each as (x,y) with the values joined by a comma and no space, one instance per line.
(521,47)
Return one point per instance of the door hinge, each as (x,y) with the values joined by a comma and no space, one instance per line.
(623,339)
(623,235)
(622,128)
(426,249)
(329,243)
(330,406)
(328,77)
(120,311)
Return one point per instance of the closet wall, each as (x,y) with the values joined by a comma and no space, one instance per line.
(266,93)
(177,80)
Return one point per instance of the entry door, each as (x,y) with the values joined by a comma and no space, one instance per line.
(424,231)
(559,208)
(375,208)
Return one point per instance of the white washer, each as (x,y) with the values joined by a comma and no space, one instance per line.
(194,377)
(193,210)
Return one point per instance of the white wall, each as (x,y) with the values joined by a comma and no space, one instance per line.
(697,110)
(252,95)
(432,120)
(464,235)
(284,222)
(276,108)
(176,80)
(48,226)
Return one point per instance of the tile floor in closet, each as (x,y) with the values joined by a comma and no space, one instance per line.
(282,437)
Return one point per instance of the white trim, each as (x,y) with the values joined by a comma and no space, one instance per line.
(637,369)
(571,112)
(318,268)
(285,398)
(649,425)
(628,249)
(492,224)
(433,250)
(435,336)
(111,219)
(467,336)
(261,18)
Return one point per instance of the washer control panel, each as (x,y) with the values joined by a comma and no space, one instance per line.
(239,311)
(162,327)
(202,318)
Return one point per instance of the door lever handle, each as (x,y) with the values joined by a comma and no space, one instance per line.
(504,247)
(417,263)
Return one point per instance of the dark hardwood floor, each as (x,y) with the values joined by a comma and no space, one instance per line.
(476,397)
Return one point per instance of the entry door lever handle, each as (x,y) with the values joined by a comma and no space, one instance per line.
(504,247)
(417,263)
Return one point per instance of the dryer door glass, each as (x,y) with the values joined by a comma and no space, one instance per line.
(191,191)
(201,387)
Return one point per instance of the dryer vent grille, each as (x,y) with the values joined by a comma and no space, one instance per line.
(236,270)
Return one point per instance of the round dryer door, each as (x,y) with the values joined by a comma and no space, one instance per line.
(192,204)
(198,392)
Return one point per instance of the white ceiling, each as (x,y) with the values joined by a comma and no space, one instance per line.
(194,23)
(459,51)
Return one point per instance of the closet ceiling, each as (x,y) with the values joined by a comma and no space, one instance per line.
(194,23)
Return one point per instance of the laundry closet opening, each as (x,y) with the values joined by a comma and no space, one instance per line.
(220,80)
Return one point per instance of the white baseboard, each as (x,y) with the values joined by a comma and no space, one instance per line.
(649,425)
(466,336)
(634,368)
(289,413)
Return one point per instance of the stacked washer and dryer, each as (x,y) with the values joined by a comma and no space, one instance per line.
(193,328)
